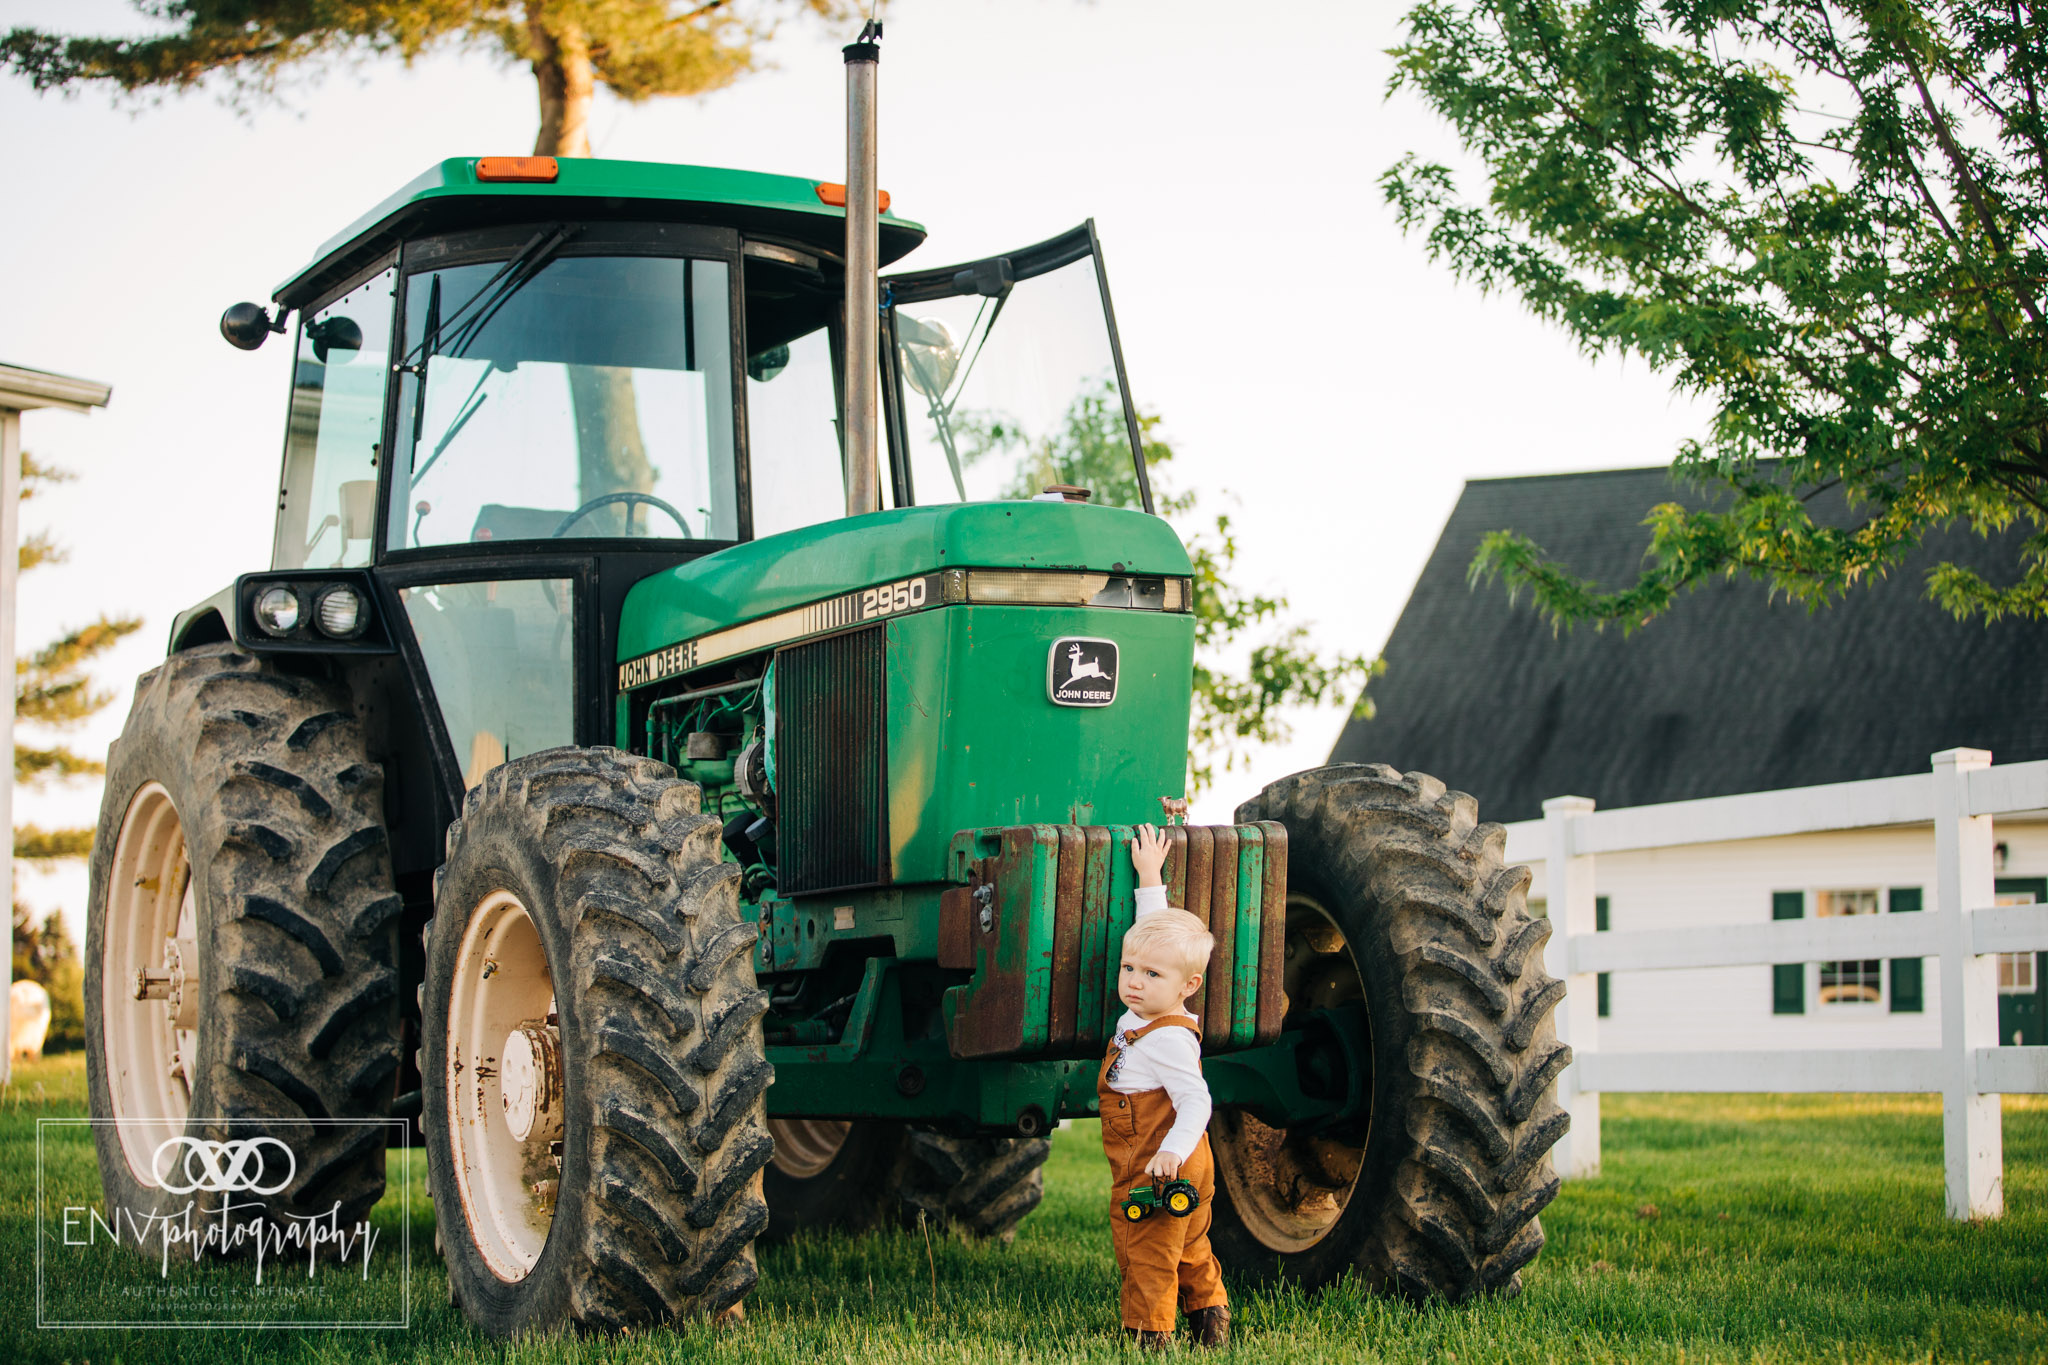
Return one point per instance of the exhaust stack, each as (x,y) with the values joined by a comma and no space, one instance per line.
(863,251)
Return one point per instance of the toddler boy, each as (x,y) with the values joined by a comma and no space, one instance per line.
(1155,1110)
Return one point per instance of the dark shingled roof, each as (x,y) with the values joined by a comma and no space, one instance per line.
(1729,692)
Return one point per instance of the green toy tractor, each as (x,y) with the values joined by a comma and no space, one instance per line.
(1178,1197)
(706,836)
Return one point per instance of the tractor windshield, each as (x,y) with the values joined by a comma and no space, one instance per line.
(1009,380)
(585,396)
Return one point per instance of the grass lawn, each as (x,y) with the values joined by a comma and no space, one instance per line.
(1767,1228)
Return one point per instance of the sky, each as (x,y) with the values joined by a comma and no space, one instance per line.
(1318,376)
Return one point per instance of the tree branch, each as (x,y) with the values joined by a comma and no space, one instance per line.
(1966,180)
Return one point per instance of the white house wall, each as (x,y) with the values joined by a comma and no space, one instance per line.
(1723,1008)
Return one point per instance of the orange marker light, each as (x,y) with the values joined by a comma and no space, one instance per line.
(518,170)
(835,195)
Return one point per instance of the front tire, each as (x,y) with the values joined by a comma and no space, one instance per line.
(241,860)
(593,1051)
(1402,919)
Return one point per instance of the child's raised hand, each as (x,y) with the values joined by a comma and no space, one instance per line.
(1163,1164)
(1148,854)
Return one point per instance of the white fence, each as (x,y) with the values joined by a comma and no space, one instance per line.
(1960,797)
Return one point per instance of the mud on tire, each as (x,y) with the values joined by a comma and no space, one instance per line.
(1439,1194)
(662,1068)
(264,777)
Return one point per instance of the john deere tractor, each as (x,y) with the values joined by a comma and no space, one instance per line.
(709,829)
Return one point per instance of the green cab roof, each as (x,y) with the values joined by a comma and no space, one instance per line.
(449,194)
(761,577)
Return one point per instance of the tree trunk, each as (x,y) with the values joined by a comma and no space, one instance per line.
(561,67)
(611,454)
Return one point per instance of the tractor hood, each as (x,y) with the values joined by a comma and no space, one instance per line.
(789,570)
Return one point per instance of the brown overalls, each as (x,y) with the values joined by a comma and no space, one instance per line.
(1162,1254)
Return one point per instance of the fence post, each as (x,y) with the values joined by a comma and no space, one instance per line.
(1568,881)
(1973,1143)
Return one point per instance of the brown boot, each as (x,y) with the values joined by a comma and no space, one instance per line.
(1149,1341)
(1210,1327)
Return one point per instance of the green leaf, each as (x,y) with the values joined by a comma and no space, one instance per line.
(1828,220)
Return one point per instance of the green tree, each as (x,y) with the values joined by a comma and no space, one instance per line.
(1831,219)
(634,48)
(1237,705)
(53,690)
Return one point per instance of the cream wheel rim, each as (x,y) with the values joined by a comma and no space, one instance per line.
(1290,1189)
(149,979)
(805,1147)
(501,1004)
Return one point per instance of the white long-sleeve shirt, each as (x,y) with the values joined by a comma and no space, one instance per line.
(1168,1059)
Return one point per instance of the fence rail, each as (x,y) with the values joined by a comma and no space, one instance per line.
(1993,929)
(1961,798)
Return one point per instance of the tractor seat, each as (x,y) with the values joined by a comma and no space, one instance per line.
(495,521)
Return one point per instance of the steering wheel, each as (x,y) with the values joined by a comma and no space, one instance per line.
(629,498)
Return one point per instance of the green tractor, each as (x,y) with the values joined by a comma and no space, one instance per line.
(711,819)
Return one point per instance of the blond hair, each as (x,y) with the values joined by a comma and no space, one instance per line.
(1177,936)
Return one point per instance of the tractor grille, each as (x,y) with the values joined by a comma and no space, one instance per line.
(831,764)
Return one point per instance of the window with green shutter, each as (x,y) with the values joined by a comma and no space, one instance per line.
(1908,992)
(1788,979)
(1600,925)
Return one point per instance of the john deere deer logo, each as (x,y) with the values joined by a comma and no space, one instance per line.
(1081,672)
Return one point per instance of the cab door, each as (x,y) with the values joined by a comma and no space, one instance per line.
(1003,378)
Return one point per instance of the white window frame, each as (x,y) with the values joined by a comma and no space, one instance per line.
(1819,899)
(2019,964)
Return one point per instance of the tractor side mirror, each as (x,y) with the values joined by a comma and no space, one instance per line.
(930,356)
(337,333)
(246,326)
(763,366)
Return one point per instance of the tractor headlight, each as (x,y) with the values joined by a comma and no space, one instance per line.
(277,611)
(1037,587)
(339,612)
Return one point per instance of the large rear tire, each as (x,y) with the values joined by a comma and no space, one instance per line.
(857,1176)
(1401,918)
(241,862)
(593,1051)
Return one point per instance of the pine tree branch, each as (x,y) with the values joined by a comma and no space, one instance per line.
(37,549)
(33,765)
(44,845)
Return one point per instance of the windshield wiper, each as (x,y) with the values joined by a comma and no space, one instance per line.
(517,274)
(419,370)
(512,276)
(468,410)
(940,413)
(469,321)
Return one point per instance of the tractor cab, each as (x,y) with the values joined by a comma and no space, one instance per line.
(521,385)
